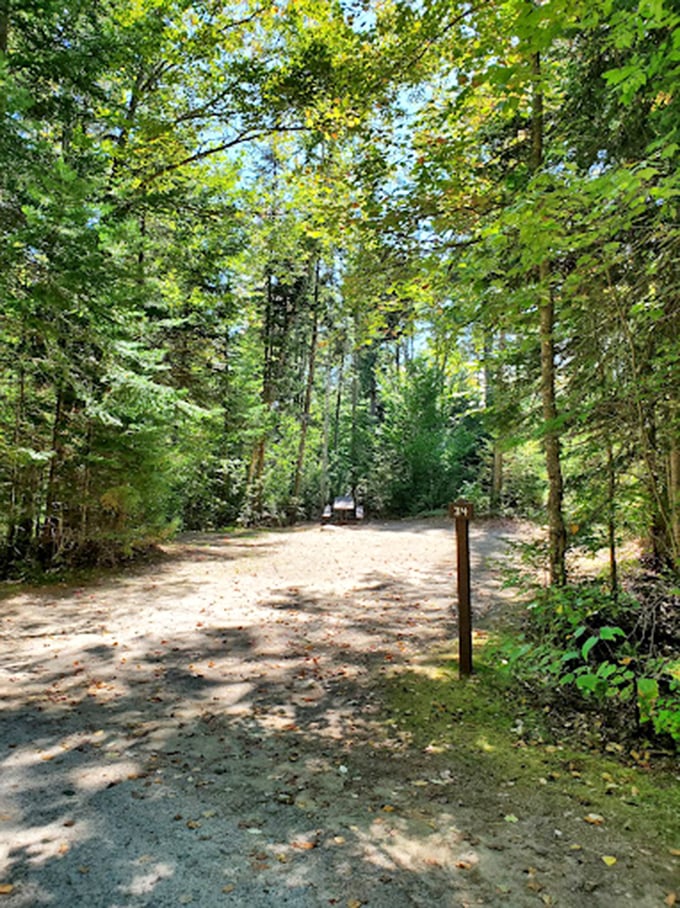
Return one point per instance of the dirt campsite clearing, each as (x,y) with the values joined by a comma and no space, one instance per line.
(236,725)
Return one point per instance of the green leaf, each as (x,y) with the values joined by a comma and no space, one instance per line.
(648,688)
(588,683)
(610,633)
(588,645)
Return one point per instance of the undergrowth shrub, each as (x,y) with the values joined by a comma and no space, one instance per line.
(617,656)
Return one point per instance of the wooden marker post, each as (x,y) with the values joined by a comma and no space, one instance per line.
(461,511)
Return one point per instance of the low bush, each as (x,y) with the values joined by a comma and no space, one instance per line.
(615,656)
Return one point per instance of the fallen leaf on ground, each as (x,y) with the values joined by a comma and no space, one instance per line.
(594,819)
(510,818)
(609,859)
(671,899)
(6,888)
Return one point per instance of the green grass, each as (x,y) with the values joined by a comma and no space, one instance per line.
(483,722)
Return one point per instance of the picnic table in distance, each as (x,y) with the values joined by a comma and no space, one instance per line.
(343,510)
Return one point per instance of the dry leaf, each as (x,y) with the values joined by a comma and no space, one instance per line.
(609,859)
(354,903)
(463,865)
(594,819)
(675,852)
(671,899)
(388,808)
(6,888)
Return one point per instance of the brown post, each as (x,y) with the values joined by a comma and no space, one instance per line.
(461,511)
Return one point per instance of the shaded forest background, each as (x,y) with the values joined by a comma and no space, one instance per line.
(255,256)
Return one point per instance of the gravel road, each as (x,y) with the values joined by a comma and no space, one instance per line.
(207,731)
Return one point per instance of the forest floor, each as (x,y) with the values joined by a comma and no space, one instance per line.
(275,719)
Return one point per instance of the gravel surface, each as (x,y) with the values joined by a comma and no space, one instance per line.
(208,731)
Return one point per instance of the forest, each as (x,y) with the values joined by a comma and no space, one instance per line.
(255,256)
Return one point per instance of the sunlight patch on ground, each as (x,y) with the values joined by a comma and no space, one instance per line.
(40,844)
(394,844)
(147,879)
(99,777)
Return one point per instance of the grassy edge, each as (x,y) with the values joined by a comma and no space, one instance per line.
(484,719)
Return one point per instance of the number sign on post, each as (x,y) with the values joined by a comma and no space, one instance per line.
(461,511)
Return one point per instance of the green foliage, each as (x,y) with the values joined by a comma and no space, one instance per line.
(582,642)
(251,260)
(428,446)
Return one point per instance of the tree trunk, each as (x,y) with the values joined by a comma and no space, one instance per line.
(304,421)
(48,543)
(256,469)
(611,521)
(492,388)
(674,492)
(4,25)
(556,527)
(338,405)
(325,482)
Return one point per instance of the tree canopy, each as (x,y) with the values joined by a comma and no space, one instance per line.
(256,256)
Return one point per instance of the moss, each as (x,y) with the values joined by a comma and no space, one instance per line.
(485,726)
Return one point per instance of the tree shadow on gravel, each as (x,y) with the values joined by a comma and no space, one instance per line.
(245,765)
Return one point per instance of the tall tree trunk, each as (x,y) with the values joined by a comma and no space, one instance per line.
(307,405)
(338,406)
(611,520)
(4,25)
(49,531)
(492,382)
(674,488)
(257,460)
(354,444)
(546,306)
(325,480)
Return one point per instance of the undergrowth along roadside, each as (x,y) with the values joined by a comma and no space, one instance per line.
(483,724)
(612,658)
